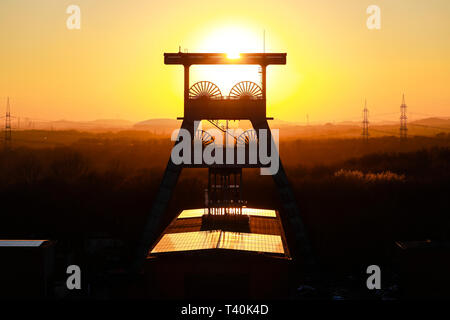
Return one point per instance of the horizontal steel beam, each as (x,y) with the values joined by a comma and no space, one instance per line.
(187,59)
(225,109)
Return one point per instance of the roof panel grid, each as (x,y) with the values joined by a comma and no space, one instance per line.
(187,241)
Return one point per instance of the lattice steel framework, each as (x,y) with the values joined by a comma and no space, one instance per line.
(403,120)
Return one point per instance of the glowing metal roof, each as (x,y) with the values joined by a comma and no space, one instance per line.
(197,213)
(21,243)
(259,212)
(191,213)
(201,240)
(251,242)
(187,241)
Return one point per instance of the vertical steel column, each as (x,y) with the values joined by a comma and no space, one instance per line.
(264,82)
(162,198)
(288,201)
(186,88)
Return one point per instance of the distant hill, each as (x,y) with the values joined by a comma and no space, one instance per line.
(159,126)
(348,129)
(440,122)
(100,124)
(112,123)
(288,129)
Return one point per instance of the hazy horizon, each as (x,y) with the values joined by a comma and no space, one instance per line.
(113,66)
(293,122)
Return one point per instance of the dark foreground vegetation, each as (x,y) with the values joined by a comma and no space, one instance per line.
(356,199)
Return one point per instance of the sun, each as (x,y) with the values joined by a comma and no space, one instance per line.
(233,41)
(233,55)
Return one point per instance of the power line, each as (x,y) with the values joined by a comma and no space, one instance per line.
(424,114)
(382,114)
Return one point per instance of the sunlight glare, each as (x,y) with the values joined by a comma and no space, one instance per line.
(233,55)
(231,40)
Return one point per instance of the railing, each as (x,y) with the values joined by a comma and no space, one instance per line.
(225,98)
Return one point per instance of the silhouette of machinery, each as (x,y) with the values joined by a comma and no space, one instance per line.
(223,198)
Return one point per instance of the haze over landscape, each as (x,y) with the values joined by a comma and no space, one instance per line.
(112,67)
(88,161)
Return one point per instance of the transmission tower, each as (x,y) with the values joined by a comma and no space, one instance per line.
(7,140)
(403,119)
(365,129)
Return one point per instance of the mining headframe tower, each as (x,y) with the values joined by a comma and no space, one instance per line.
(224,244)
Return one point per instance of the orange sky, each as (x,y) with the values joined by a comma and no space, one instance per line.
(113,67)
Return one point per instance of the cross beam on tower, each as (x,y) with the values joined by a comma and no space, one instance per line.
(222,58)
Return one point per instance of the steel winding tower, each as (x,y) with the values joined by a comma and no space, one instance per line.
(403,120)
(365,130)
(204,101)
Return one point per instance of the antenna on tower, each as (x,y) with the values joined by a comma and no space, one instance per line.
(365,130)
(264,51)
(403,120)
(264,41)
(8,137)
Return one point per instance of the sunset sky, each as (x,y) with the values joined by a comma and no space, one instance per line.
(113,67)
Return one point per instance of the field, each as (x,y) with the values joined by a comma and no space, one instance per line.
(356,198)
